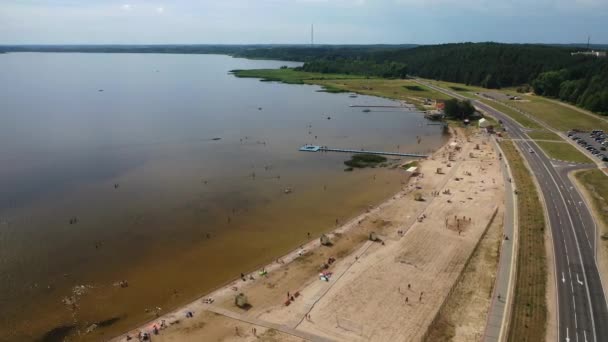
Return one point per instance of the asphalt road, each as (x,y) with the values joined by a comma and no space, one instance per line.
(582,308)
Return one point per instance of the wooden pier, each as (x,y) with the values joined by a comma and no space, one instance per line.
(316,148)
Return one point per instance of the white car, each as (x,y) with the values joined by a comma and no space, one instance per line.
(531,150)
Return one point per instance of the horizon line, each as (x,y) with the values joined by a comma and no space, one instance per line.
(286,44)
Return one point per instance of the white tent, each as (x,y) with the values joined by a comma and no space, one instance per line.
(483,123)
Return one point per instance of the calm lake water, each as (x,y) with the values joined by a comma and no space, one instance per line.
(110,171)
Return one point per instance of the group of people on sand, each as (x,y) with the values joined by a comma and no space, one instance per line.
(156,328)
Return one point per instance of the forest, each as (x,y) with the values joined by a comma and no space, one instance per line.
(551,70)
(584,85)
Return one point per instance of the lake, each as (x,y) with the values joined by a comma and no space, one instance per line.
(169,173)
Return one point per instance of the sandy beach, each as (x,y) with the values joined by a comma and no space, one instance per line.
(385,290)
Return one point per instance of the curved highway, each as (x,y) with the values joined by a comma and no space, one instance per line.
(582,309)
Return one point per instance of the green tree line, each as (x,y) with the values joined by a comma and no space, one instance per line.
(584,85)
(551,70)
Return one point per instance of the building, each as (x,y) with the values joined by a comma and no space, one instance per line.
(598,54)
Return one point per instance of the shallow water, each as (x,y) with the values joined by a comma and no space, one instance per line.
(121,145)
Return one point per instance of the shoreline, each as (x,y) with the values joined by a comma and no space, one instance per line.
(285,260)
(340,292)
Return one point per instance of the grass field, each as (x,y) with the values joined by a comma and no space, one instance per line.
(559,117)
(543,134)
(529,312)
(406,90)
(522,119)
(563,151)
(596,182)
(397,89)
(289,75)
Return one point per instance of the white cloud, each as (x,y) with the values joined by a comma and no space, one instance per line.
(160,10)
(126,7)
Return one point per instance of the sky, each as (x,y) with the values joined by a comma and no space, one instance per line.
(289,21)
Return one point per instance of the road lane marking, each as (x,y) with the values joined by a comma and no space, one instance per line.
(580,255)
(570,277)
(515,128)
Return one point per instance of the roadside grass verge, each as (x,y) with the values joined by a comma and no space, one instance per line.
(529,312)
(459,88)
(515,115)
(596,183)
(563,151)
(543,134)
(492,121)
(561,118)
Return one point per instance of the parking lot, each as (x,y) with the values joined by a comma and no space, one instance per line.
(596,142)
